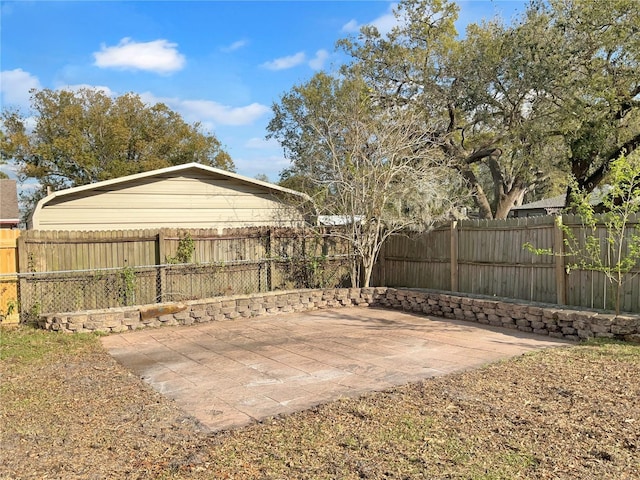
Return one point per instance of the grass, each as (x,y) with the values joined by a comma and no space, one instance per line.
(27,345)
(68,410)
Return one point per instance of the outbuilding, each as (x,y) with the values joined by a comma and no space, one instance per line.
(184,196)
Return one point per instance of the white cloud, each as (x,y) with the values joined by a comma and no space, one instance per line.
(384,23)
(211,113)
(257,143)
(15,86)
(318,61)
(352,26)
(284,63)
(159,56)
(224,114)
(235,46)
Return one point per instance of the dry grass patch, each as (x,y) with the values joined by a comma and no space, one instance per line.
(68,410)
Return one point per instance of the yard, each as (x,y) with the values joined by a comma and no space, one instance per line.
(68,410)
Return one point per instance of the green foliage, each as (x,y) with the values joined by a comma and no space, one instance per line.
(616,254)
(128,289)
(86,136)
(608,242)
(27,345)
(185,250)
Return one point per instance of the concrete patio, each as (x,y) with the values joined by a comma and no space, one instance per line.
(229,374)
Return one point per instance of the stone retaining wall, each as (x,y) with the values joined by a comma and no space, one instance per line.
(536,318)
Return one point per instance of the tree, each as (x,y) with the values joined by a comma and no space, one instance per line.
(86,136)
(595,82)
(366,164)
(617,253)
(609,238)
(554,93)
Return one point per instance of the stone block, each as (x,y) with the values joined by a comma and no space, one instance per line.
(632,321)
(585,334)
(623,329)
(154,311)
(532,310)
(183,315)
(532,317)
(565,315)
(198,313)
(77,319)
(603,319)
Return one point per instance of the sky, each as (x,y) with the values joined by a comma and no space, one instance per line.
(221,63)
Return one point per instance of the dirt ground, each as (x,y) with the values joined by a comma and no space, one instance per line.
(69,411)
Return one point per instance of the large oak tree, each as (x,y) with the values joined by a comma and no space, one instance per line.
(74,138)
(554,93)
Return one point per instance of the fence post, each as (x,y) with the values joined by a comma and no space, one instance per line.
(23,266)
(454,256)
(558,250)
(269,248)
(161,274)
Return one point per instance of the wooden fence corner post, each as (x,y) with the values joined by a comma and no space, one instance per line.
(454,257)
(22,262)
(558,252)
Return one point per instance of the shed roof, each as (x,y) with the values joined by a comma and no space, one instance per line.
(176,169)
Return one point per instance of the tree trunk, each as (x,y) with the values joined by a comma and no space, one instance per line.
(507,202)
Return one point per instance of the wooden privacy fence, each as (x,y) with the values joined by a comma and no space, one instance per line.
(487,257)
(72,270)
(8,275)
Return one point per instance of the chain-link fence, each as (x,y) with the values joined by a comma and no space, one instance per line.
(72,291)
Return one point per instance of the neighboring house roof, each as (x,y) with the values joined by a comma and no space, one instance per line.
(9,211)
(554,205)
(338,220)
(135,199)
(554,202)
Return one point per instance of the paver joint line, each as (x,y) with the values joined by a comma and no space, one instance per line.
(253,368)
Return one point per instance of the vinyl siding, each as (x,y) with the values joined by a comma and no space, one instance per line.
(189,200)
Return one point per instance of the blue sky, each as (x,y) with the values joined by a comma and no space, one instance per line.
(221,63)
